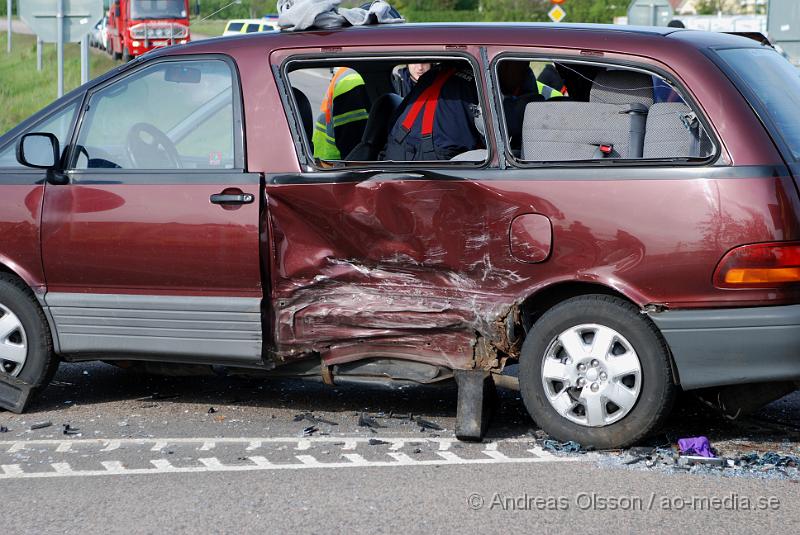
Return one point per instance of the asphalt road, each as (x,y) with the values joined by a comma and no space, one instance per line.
(226,454)
(149,454)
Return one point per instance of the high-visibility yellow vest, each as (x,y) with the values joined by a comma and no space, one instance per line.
(547,92)
(324,138)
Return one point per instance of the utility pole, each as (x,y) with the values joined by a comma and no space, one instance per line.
(84,59)
(8,14)
(60,46)
(39,45)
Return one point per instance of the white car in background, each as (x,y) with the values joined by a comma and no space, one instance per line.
(241,26)
(98,38)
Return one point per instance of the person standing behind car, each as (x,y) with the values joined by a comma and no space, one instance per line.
(343,116)
(405,78)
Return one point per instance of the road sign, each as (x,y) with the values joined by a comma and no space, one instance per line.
(650,12)
(557,14)
(41,16)
(783,25)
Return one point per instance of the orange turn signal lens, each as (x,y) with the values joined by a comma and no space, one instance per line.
(760,265)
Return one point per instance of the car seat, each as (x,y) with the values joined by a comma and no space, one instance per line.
(381,120)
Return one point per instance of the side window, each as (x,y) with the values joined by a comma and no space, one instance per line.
(57,124)
(234,27)
(252,28)
(171,115)
(562,111)
(390,110)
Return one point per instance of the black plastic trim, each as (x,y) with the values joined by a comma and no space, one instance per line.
(550,173)
(733,346)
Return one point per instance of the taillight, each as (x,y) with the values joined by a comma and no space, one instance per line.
(760,265)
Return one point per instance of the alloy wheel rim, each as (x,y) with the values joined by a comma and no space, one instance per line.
(591,375)
(13,342)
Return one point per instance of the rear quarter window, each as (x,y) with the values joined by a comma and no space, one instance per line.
(772,85)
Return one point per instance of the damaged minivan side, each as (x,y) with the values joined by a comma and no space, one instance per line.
(620,223)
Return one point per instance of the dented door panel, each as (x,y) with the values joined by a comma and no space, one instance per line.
(423,270)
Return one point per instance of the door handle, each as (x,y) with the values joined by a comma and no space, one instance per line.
(232,198)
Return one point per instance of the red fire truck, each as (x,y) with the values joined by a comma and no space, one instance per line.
(137,26)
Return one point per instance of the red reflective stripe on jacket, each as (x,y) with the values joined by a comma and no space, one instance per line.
(429,99)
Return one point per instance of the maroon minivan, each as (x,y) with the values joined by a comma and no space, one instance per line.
(626,228)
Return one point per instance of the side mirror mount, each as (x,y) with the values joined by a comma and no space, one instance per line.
(39,150)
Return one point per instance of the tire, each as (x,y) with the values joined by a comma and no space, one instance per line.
(630,365)
(18,304)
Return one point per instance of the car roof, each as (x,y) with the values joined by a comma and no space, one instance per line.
(582,36)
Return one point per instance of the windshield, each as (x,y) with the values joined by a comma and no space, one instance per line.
(773,86)
(158,9)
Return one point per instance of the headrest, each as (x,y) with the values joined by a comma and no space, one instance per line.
(622,87)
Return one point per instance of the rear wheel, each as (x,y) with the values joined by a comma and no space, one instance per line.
(594,370)
(26,347)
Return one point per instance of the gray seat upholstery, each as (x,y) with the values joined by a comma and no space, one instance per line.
(622,87)
(671,134)
(564,131)
(477,155)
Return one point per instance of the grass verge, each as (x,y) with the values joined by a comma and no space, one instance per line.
(24,90)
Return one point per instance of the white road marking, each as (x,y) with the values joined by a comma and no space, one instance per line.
(401,457)
(62,468)
(112,445)
(212,462)
(308,460)
(260,461)
(113,467)
(355,458)
(11,469)
(160,443)
(162,465)
(441,446)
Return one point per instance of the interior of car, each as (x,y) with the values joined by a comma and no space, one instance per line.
(553,111)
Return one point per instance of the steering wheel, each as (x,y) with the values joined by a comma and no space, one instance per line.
(151,154)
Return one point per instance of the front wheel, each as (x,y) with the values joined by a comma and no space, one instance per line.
(594,370)
(26,347)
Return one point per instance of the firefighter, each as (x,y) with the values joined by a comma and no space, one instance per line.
(343,116)
(437,120)
(517,79)
(404,79)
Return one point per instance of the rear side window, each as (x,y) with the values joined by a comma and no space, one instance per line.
(390,110)
(772,85)
(171,115)
(235,27)
(560,111)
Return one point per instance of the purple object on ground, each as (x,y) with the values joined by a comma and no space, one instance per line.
(696,446)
